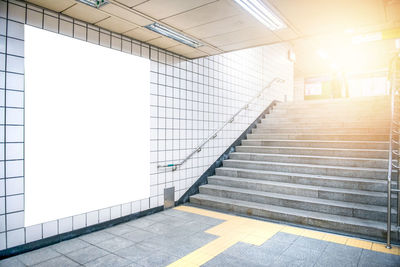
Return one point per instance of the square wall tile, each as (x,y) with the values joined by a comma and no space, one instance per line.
(50,229)
(92,218)
(15,116)
(65,225)
(15,168)
(2,205)
(14,203)
(14,186)
(15,238)
(15,64)
(3,239)
(15,81)
(33,233)
(126,208)
(104,215)
(16,12)
(79,221)
(34,18)
(50,23)
(135,206)
(2,223)
(15,47)
(115,212)
(15,30)
(15,220)
(14,133)
(14,151)
(66,28)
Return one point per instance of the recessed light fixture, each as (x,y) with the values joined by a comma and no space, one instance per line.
(262,13)
(161,29)
(94,3)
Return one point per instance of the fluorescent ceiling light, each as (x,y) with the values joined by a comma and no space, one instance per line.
(94,3)
(158,28)
(261,12)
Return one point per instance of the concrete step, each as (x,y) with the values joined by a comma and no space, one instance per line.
(307,111)
(333,112)
(325,121)
(368,228)
(317,160)
(330,130)
(330,152)
(340,137)
(355,172)
(323,192)
(332,116)
(377,185)
(365,102)
(381,145)
(363,211)
(325,124)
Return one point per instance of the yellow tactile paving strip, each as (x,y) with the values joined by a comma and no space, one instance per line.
(239,229)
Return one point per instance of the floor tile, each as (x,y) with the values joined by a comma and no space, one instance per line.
(343,251)
(97,237)
(135,253)
(115,244)
(38,256)
(228,260)
(368,256)
(334,261)
(69,245)
(59,262)
(120,229)
(14,262)
(301,253)
(284,237)
(253,254)
(274,246)
(284,261)
(138,235)
(140,223)
(87,254)
(109,260)
(310,243)
(157,259)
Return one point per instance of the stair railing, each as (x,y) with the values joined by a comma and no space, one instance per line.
(394,144)
(174,166)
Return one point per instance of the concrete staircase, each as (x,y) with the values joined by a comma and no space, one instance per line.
(318,163)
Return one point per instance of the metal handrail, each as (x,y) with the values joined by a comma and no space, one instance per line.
(174,166)
(394,92)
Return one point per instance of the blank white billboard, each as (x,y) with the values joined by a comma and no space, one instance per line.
(87,127)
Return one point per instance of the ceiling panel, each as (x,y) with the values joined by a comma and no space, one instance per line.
(222,26)
(209,50)
(54,5)
(247,44)
(286,34)
(85,13)
(195,54)
(182,49)
(241,36)
(142,34)
(160,9)
(205,14)
(164,42)
(125,14)
(129,3)
(115,25)
(322,16)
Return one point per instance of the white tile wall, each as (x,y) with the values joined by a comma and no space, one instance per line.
(189,99)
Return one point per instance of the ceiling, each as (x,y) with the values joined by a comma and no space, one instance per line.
(223,26)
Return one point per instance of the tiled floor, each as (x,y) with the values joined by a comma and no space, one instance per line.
(188,236)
